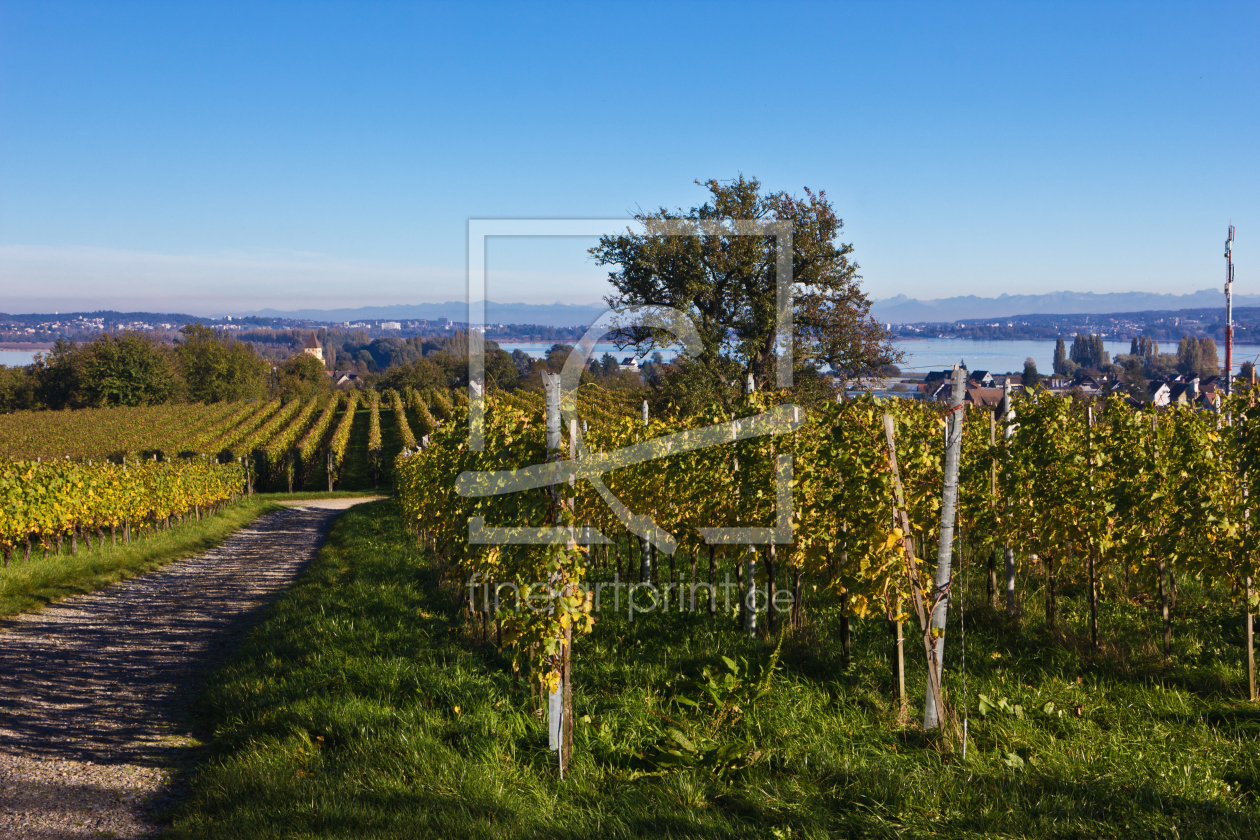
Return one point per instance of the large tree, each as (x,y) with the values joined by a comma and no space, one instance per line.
(302,376)
(216,368)
(727,284)
(129,369)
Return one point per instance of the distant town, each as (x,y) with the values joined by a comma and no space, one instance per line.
(44,329)
(1116,326)
(39,331)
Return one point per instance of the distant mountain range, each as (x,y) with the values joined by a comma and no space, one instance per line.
(906,310)
(546,315)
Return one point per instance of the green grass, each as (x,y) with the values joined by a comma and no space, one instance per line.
(355,474)
(29,585)
(363,706)
(391,445)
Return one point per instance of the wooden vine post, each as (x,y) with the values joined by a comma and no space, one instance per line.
(991,583)
(1091,559)
(1008,419)
(1247,596)
(559,701)
(1247,547)
(902,515)
(934,635)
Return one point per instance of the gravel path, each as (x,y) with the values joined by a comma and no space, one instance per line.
(95,691)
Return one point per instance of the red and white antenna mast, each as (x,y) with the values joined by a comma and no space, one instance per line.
(1229,310)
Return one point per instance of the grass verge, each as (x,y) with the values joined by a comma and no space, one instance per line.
(305,495)
(29,585)
(364,706)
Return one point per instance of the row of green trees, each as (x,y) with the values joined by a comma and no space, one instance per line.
(133,369)
(1195,356)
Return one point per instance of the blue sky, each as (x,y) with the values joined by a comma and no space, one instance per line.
(221,157)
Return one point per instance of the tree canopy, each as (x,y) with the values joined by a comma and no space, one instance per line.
(301,376)
(727,284)
(216,369)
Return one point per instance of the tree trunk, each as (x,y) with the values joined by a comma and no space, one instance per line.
(26,556)
(74,540)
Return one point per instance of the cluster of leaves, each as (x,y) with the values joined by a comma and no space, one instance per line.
(707,732)
(311,442)
(111,432)
(425,422)
(549,602)
(400,415)
(341,436)
(260,436)
(279,449)
(374,432)
(205,438)
(842,489)
(41,500)
(1100,492)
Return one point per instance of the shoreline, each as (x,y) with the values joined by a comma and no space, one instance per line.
(33,347)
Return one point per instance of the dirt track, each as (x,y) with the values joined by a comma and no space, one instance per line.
(95,690)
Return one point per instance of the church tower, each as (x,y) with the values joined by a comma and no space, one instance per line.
(313,347)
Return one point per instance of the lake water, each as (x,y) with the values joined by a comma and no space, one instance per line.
(940,353)
(16,358)
(1008,356)
(921,354)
